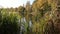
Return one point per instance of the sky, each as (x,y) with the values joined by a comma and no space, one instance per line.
(13,3)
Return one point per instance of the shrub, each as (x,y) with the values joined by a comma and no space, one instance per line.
(9,24)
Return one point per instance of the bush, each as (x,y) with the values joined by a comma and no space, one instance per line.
(9,24)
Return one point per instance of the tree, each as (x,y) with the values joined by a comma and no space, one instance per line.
(21,10)
(28,16)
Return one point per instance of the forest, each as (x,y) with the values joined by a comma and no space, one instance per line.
(42,17)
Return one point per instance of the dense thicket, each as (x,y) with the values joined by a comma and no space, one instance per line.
(42,17)
(9,23)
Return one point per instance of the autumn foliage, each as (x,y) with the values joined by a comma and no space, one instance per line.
(42,17)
